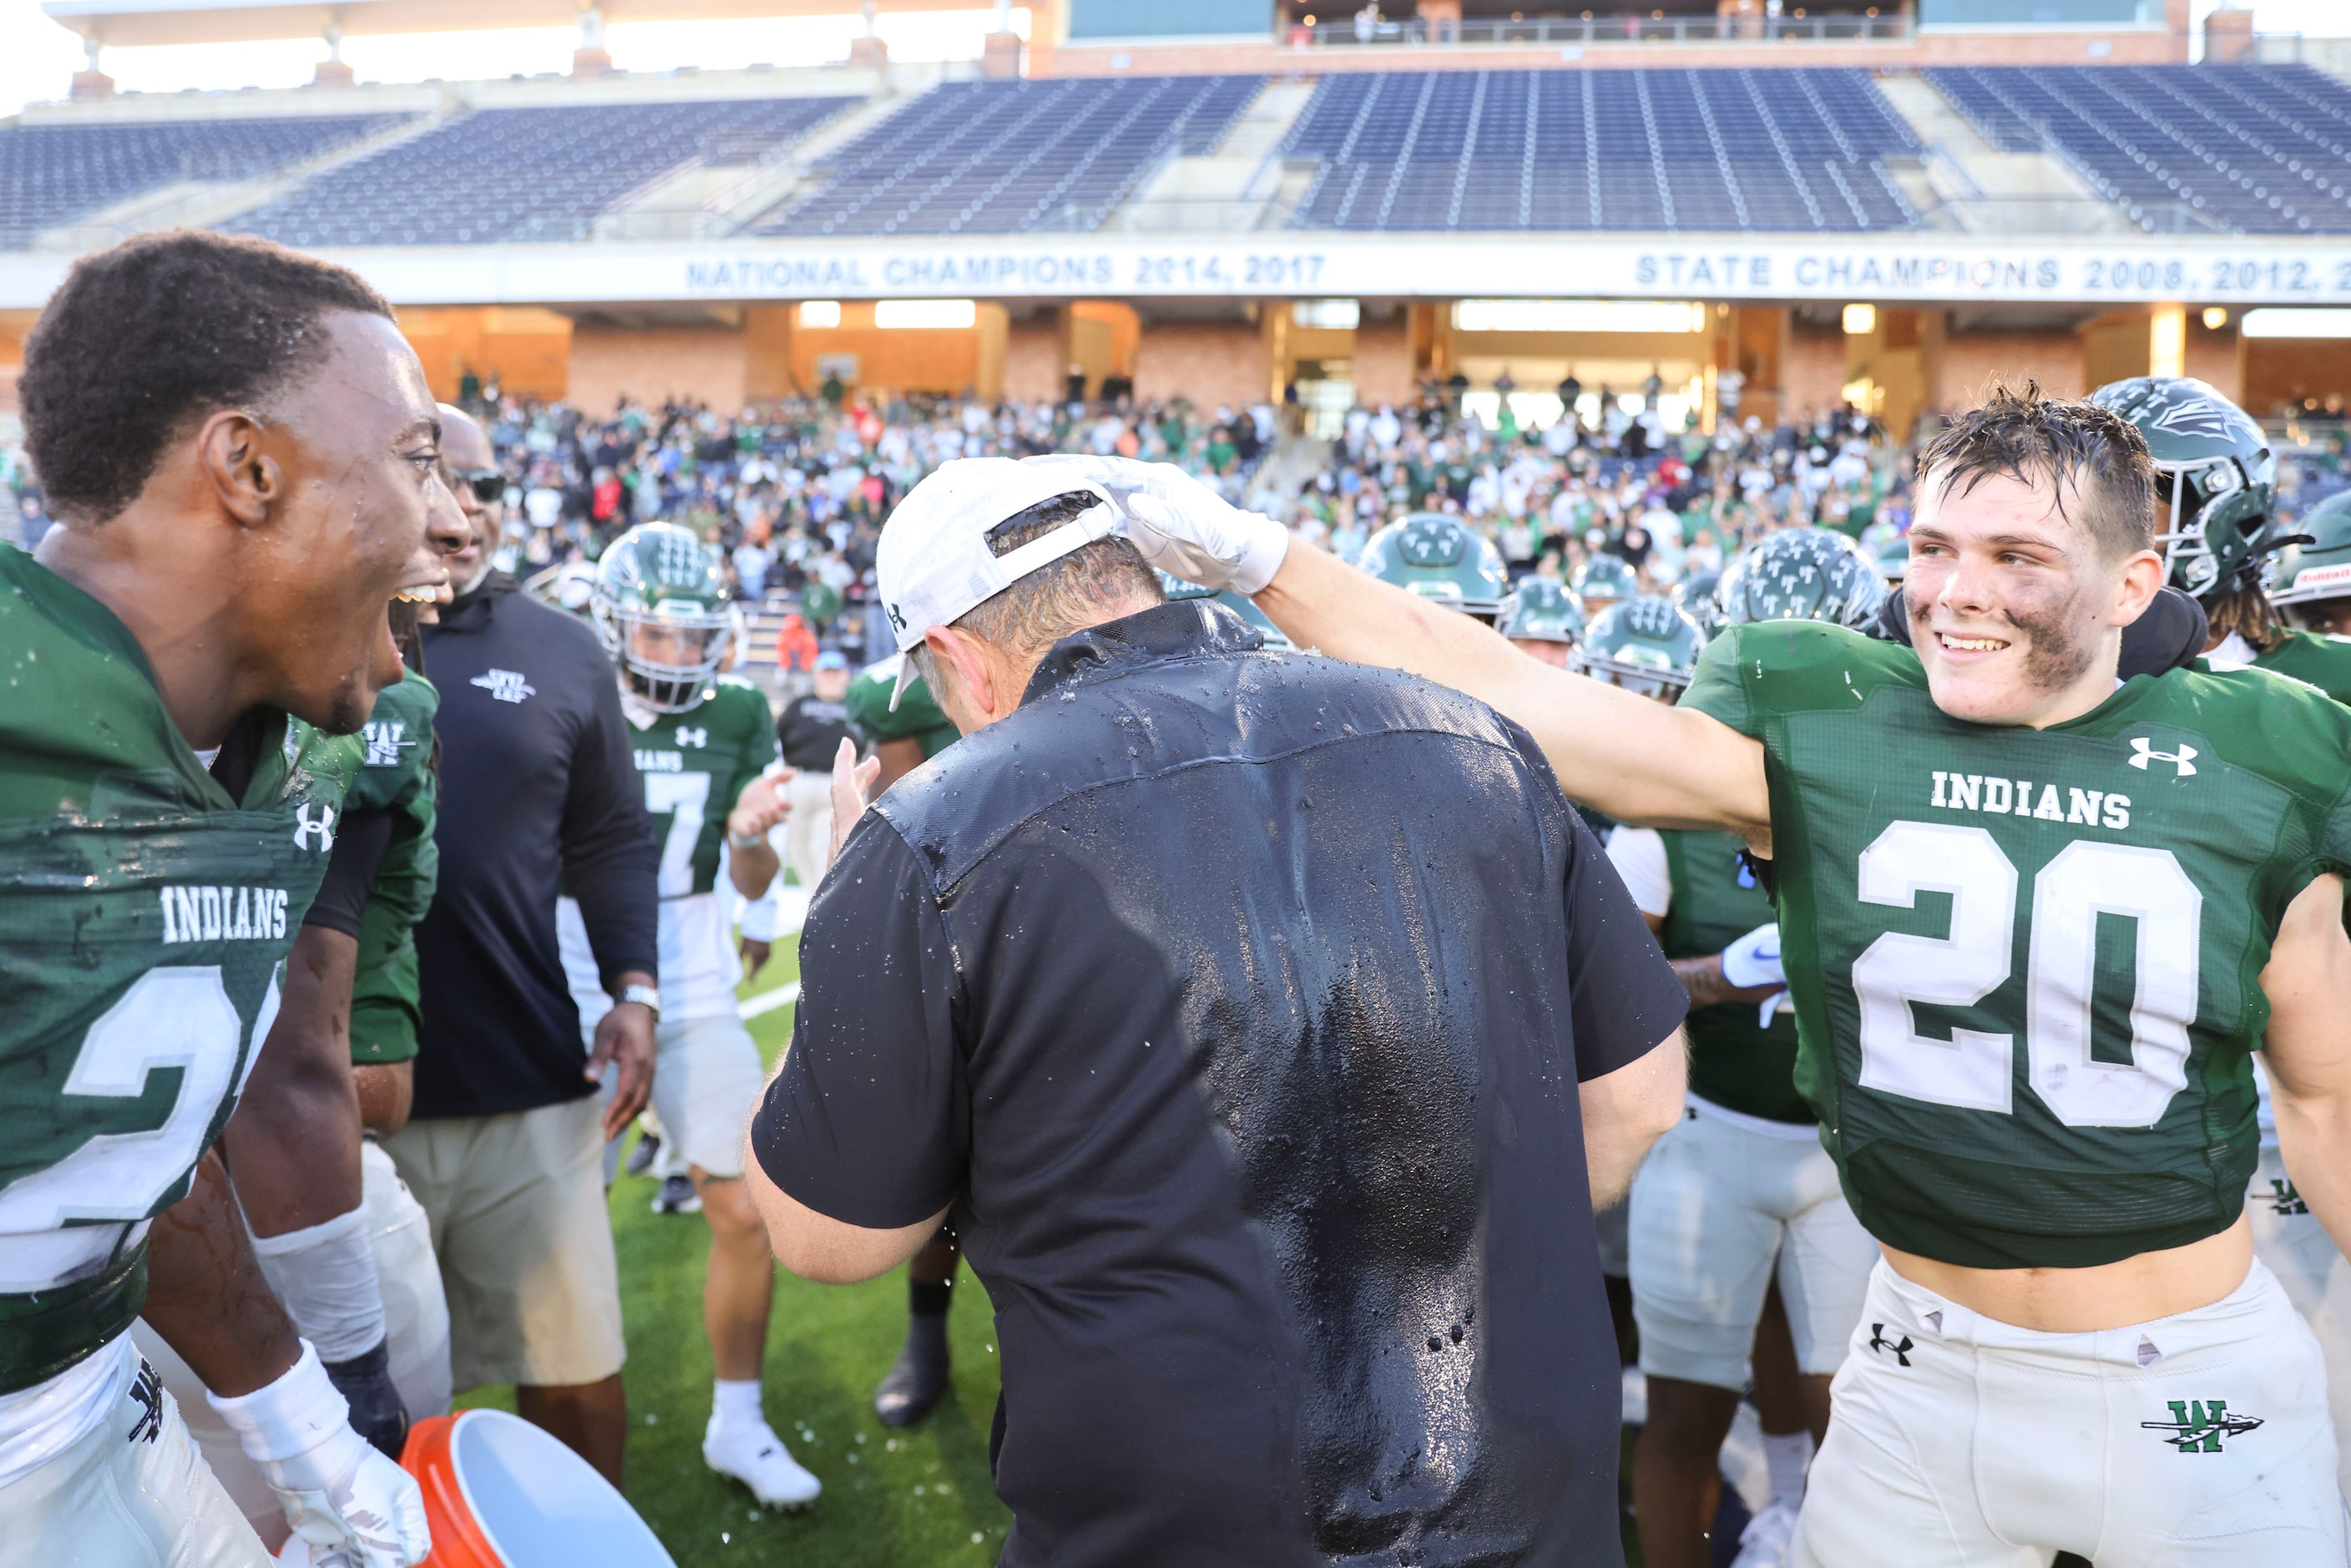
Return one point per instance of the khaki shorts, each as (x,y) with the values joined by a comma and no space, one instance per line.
(516,1207)
(133,1493)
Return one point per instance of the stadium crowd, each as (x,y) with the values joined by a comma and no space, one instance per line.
(454,894)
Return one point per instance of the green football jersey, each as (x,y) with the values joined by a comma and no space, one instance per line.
(145,916)
(918,717)
(695,764)
(2026,963)
(397,773)
(2322,662)
(1716,901)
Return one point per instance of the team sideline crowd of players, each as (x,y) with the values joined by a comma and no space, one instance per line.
(1981,1192)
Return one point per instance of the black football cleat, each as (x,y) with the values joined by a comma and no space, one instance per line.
(642,1157)
(919,1381)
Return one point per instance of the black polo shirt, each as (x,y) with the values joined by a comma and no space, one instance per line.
(1235,1004)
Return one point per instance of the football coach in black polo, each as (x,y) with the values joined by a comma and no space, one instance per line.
(1266,1026)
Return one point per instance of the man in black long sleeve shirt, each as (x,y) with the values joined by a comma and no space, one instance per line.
(538,786)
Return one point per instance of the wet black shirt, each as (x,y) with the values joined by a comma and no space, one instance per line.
(1236,1003)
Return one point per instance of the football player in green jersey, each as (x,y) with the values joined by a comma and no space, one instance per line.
(244,455)
(1741,1194)
(2215,490)
(705,747)
(2035,924)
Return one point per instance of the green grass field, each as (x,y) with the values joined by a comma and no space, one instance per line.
(910,1499)
(914,1498)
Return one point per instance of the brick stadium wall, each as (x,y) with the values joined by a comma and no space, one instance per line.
(1034,363)
(1211,362)
(651,363)
(1965,366)
(2279,370)
(1812,369)
(1384,360)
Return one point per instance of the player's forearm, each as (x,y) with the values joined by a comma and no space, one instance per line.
(1638,760)
(206,1295)
(293,1147)
(753,869)
(1704,980)
(387,1090)
(1626,1111)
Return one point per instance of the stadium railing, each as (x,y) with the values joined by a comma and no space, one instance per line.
(1632,27)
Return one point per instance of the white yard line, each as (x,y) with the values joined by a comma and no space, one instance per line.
(768,1001)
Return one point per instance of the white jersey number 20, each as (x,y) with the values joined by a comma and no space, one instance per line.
(1973,1068)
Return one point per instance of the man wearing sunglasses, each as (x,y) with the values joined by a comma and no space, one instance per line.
(472,471)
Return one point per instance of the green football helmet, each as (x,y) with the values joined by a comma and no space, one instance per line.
(1238,603)
(1603,580)
(1802,574)
(1694,596)
(1542,610)
(2321,568)
(2215,481)
(1441,559)
(1645,644)
(662,611)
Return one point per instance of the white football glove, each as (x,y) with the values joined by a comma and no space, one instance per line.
(1754,958)
(344,1500)
(1182,527)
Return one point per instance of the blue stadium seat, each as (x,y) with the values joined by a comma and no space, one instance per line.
(1706,151)
(1013,157)
(55,174)
(522,174)
(2251,148)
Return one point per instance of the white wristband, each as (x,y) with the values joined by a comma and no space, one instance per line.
(325,1276)
(288,1417)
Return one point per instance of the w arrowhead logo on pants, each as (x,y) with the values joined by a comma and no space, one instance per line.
(2197,1426)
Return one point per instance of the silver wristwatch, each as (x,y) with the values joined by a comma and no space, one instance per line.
(646,995)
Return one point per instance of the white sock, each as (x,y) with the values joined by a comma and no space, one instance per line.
(736,1404)
(1786,1457)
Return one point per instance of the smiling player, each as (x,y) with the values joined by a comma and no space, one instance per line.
(2035,921)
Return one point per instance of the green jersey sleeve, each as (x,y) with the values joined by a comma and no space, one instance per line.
(2321,661)
(398,774)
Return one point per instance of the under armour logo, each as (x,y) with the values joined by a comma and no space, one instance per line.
(1901,1348)
(147,1392)
(2197,1426)
(694,738)
(897,622)
(505,685)
(385,742)
(324,826)
(2143,751)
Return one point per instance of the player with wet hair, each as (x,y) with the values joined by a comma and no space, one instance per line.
(2034,920)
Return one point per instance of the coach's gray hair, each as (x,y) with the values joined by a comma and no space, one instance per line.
(1091,583)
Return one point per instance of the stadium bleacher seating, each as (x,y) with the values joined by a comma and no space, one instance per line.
(1011,157)
(521,174)
(55,174)
(1712,149)
(2256,148)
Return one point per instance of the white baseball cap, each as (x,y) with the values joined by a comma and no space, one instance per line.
(933,566)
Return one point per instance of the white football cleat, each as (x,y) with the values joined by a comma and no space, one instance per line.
(755,1456)
(1765,1541)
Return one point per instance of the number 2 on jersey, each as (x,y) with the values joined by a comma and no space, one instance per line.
(1973,1068)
